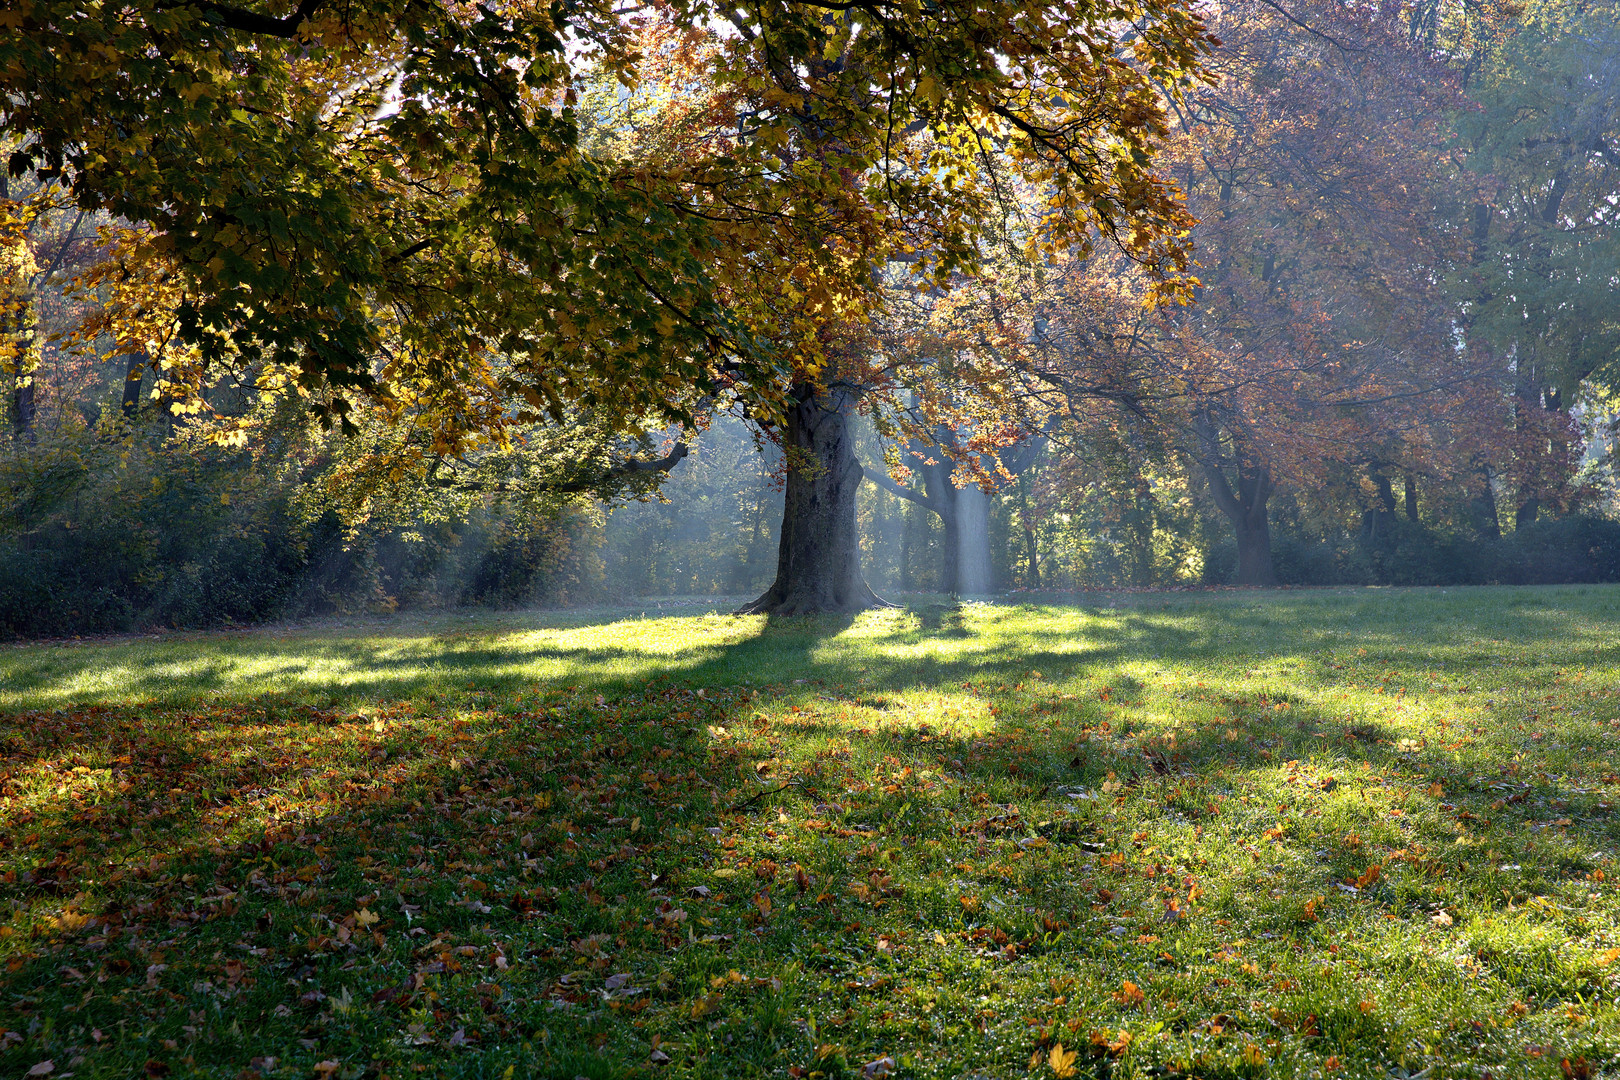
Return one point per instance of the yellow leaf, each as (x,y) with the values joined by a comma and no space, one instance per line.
(365,917)
(1608,956)
(1062,1061)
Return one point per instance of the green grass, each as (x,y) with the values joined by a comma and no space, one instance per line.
(1357,833)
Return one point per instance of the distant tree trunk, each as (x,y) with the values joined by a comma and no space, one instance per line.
(1245,505)
(1378,518)
(950,560)
(23,407)
(1246,508)
(133,373)
(1032,573)
(1140,529)
(1018,460)
(908,523)
(944,500)
(1531,396)
(973,541)
(940,496)
(1410,498)
(818,562)
(1485,507)
(1032,558)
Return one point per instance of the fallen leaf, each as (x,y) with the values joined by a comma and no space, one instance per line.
(1129,993)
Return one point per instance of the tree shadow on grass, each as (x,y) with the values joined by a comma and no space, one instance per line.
(623,785)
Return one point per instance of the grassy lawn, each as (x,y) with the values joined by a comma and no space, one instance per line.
(1356,833)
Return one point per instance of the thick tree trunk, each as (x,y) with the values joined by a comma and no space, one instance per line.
(818,562)
(973,541)
(1254,552)
(1411,499)
(1246,509)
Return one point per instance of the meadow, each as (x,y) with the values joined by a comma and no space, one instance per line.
(1359,833)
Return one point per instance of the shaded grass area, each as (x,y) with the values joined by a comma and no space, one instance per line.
(1362,832)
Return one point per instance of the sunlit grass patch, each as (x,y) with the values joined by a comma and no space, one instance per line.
(1363,833)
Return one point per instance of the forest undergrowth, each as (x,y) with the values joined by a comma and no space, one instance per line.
(1365,833)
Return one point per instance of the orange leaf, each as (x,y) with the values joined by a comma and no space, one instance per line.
(1129,994)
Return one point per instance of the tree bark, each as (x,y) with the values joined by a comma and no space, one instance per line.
(1246,509)
(1245,506)
(1411,499)
(1485,507)
(23,407)
(133,375)
(1378,518)
(939,498)
(818,562)
(965,560)
(973,562)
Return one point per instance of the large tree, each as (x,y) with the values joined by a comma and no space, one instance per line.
(395,199)
(1543,131)
(1331,216)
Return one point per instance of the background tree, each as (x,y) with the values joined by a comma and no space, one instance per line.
(1543,131)
(1329,220)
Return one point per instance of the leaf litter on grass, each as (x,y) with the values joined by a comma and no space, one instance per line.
(833,849)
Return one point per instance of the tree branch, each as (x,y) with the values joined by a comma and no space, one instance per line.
(252,22)
(883,480)
(628,467)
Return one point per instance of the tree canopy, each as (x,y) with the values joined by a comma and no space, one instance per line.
(395,198)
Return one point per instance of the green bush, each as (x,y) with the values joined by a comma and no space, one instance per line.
(113,530)
(1572,550)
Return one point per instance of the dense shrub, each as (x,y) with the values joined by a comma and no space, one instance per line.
(1575,549)
(112,530)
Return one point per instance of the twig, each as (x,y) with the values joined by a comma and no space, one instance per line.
(796,782)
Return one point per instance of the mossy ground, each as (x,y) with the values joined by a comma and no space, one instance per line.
(1358,833)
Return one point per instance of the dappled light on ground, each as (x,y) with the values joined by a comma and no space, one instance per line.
(1363,833)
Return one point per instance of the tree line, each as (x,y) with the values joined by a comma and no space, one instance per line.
(310,306)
